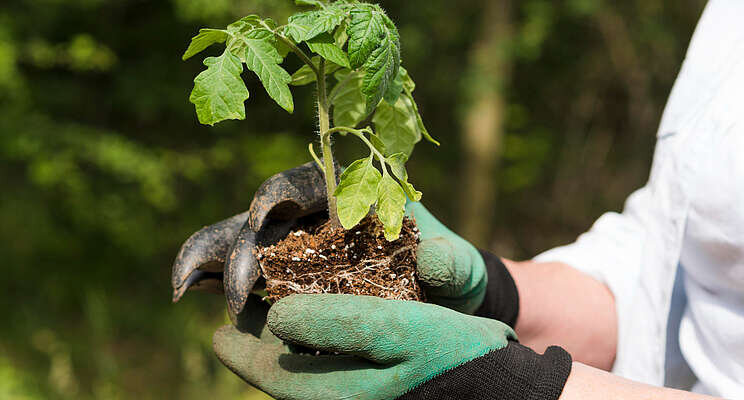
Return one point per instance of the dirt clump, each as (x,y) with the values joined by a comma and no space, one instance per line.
(316,258)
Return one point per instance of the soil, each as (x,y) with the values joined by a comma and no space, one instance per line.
(315,258)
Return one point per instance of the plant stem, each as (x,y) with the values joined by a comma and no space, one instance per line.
(293,47)
(329,169)
(315,156)
(360,134)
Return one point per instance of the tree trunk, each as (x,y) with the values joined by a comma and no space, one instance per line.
(483,123)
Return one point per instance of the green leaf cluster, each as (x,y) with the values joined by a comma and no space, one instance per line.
(362,185)
(357,45)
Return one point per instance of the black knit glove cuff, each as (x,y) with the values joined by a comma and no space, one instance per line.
(512,373)
(502,299)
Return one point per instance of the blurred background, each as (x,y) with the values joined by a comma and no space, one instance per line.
(546,110)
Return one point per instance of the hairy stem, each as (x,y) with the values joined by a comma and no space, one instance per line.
(329,169)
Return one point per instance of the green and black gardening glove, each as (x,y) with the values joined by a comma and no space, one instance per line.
(386,349)
(431,351)
(455,274)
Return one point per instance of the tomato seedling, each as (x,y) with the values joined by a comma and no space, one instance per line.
(357,45)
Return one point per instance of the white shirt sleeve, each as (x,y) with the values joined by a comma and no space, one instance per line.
(612,252)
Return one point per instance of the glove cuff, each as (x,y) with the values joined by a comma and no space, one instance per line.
(502,298)
(514,372)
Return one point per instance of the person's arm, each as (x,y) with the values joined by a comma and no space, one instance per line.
(585,382)
(561,305)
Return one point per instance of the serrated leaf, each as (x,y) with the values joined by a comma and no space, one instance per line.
(348,101)
(356,191)
(390,207)
(256,49)
(204,39)
(309,24)
(408,87)
(269,22)
(325,46)
(244,24)
(219,93)
(306,75)
(395,88)
(397,126)
(366,28)
(382,66)
(299,25)
(326,20)
(397,163)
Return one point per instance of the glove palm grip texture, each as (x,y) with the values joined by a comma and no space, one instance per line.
(514,372)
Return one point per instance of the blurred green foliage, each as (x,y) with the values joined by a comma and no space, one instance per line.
(105,170)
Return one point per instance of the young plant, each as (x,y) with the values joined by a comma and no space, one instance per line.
(358,45)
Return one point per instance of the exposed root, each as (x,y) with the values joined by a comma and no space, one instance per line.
(319,260)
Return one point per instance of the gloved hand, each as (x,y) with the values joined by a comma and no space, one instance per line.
(452,271)
(456,275)
(389,349)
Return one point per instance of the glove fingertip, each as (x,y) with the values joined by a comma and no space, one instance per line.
(289,314)
(435,260)
(222,342)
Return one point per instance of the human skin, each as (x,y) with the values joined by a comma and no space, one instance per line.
(561,305)
(586,382)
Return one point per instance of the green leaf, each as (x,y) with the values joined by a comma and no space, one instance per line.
(219,92)
(408,84)
(341,36)
(419,121)
(397,126)
(256,49)
(356,191)
(374,44)
(306,75)
(365,30)
(382,65)
(313,3)
(309,24)
(397,163)
(325,46)
(303,76)
(281,48)
(299,25)
(326,20)
(377,142)
(204,39)
(348,101)
(244,24)
(390,208)
(395,88)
